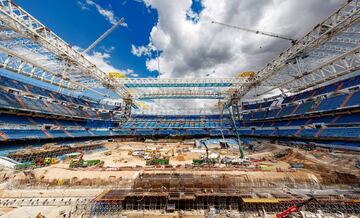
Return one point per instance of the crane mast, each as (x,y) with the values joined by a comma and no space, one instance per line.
(104,35)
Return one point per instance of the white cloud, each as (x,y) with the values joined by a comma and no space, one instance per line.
(195,49)
(193,16)
(102,61)
(131,73)
(108,49)
(82,6)
(142,50)
(108,14)
(192,49)
(134,75)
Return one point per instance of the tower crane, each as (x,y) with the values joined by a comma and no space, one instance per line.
(274,35)
(105,34)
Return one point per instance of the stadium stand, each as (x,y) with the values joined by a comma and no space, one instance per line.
(31,112)
(326,113)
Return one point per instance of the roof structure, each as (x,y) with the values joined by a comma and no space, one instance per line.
(181,88)
(329,51)
(30,48)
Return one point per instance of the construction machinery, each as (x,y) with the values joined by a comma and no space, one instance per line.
(41,162)
(206,159)
(295,208)
(274,35)
(49,161)
(157,161)
(154,157)
(85,163)
(24,166)
(81,163)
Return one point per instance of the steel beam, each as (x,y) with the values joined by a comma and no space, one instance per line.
(335,24)
(180,82)
(339,66)
(13,17)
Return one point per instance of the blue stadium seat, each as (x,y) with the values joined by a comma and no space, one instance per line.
(331,103)
(348,119)
(341,132)
(304,108)
(354,101)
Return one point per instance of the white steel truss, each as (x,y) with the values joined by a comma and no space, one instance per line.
(330,50)
(339,66)
(182,94)
(180,82)
(25,36)
(180,88)
(185,111)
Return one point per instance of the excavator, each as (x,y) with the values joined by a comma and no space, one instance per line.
(295,208)
(84,163)
(204,160)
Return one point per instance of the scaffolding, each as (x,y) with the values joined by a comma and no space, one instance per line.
(188,192)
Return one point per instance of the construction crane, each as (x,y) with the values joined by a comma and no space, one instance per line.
(274,35)
(122,20)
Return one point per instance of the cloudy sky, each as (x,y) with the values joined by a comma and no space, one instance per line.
(175,38)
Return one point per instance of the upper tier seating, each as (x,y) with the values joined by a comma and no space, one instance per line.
(340,119)
(20,127)
(343,84)
(23,103)
(15,84)
(314,133)
(331,117)
(331,103)
(8,119)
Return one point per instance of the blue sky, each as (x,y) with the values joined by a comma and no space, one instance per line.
(190,45)
(80,23)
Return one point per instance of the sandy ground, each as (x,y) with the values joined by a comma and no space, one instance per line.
(31,212)
(118,155)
